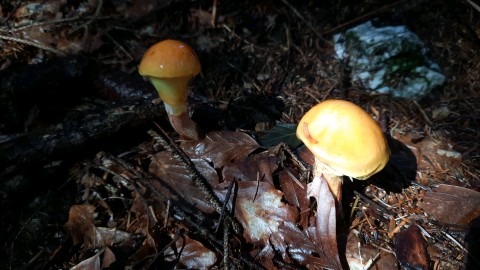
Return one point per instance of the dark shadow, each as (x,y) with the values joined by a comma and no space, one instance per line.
(400,170)
(398,174)
(472,244)
(248,113)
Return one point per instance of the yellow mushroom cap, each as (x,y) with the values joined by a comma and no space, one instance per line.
(169,59)
(345,138)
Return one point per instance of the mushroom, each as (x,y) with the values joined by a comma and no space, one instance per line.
(170,65)
(345,140)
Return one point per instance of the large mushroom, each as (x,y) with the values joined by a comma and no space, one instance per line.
(170,65)
(345,140)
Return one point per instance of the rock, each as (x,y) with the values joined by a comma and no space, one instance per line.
(389,60)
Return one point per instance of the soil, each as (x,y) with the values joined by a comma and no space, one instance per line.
(68,72)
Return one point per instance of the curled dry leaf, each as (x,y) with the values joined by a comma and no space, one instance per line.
(452,204)
(220,147)
(326,221)
(260,210)
(81,227)
(193,254)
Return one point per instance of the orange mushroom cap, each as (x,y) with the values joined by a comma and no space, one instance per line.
(169,59)
(344,137)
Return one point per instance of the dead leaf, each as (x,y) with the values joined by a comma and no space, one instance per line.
(112,237)
(108,258)
(265,257)
(298,246)
(221,147)
(194,255)
(452,204)
(433,153)
(80,224)
(249,168)
(92,263)
(326,225)
(411,249)
(172,172)
(81,227)
(361,256)
(260,210)
(295,194)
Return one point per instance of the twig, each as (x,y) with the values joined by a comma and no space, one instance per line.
(245,75)
(134,184)
(226,249)
(118,45)
(225,202)
(95,16)
(422,112)
(370,201)
(229,30)
(33,43)
(475,6)
(36,24)
(178,235)
(299,15)
(214,13)
(198,179)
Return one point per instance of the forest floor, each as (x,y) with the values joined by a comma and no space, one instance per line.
(77,158)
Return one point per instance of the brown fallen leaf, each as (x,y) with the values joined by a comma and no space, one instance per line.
(411,249)
(295,194)
(361,255)
(220,147)
(193,254)
(81,227)
(260,210)
(452,204)
(108,258)
(301,247)
(249,168)
(172,172)
(92,263)
(80,224)
(326,222)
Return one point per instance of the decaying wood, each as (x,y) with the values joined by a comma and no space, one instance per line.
(79,129)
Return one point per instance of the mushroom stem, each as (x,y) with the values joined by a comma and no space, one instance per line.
(173,92)
(334,180)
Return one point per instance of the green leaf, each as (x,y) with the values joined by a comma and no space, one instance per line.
(281,133)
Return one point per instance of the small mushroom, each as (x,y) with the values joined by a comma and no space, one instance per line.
(345,140)
(170,65)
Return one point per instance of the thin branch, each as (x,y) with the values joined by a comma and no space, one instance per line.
(198,179)
(300,16)
(95,16)
(33,43)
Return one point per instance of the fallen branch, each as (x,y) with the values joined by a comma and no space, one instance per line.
(77,131)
